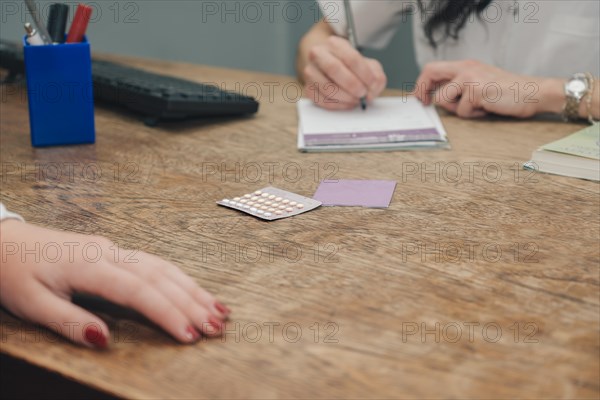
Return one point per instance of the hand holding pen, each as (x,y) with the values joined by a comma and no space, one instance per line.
(335,75)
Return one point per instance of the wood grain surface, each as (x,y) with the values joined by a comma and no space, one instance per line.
(480,281)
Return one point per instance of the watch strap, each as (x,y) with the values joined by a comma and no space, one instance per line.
(571,111)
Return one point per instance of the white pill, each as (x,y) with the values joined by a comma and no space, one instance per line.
(286,201)
(271,197)
(260,212)
(247,196)
(261,201)
(246,206)
(253,209)
(226,201)
(271,210)
(267,214)
(258,193)
(289,209)
(264,208)
(243,201)
(281,207)
(268,203)
(300,206)
(254,198)
(250,203)
(293,203)
(265,195)
(278,212)
(236,199)
(278,199)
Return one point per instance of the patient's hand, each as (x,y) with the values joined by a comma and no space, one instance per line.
(42,268)
(472,89)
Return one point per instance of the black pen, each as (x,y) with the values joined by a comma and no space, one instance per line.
(57,22)
(353,40)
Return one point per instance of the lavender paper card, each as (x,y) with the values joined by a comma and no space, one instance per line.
(355,193)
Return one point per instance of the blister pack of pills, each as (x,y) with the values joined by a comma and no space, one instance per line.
(271,204)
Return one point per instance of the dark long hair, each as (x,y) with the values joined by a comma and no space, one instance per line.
(449,15)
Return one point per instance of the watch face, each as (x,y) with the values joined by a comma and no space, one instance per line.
(576,86)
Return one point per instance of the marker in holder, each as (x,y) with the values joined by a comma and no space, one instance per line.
(60,93)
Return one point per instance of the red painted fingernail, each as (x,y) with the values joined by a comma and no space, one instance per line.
(94,335)
(218,325)
(223,309)
(191,333)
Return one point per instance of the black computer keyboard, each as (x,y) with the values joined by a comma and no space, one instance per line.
(157,97)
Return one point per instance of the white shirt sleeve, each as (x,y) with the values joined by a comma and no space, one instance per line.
(5,214)
(375,21)
(543,38)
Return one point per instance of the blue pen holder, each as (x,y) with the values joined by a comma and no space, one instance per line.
(60,93)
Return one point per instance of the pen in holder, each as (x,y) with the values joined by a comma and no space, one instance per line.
(60,93)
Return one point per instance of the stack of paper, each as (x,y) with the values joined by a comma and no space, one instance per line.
(577,155)
(389,123)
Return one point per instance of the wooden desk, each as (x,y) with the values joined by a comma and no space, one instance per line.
(478,286)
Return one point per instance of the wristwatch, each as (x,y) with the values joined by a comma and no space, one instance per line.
(575,90)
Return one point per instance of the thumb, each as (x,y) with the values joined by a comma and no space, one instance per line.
(68,320)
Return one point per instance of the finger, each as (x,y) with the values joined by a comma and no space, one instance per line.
(337,72)
(124,288)
(156,275)
(191,287)
(380,82)
(460,98)
(325,93)
(352,59)
(434,73)
(66,319)
(312,93)
(433,93)
(448,96)
(153,263)
(468,107)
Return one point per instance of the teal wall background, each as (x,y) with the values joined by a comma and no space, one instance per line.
(258,35)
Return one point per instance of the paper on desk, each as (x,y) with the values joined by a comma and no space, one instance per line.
(355,193)
(387,120)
